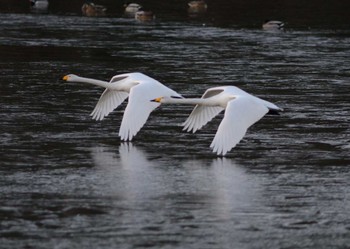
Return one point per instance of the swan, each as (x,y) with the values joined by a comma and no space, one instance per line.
(273,25)
(139,87)
(241,111)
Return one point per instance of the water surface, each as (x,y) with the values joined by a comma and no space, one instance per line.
(68,182)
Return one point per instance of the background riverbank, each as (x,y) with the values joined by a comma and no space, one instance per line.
(249,13)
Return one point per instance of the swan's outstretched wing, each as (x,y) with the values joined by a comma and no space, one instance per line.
(108,101)
(240,114)
(139,106)
(237,91)
(268,104)
(201,114)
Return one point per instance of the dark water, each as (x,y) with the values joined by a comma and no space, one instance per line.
(67,181)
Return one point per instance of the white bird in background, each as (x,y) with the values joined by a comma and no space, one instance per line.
(131,9)
(39,6)
(241,111)
(138,87)
(273,25)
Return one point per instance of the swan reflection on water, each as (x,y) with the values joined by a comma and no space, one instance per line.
(219,186)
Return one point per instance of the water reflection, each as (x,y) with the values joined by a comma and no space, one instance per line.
(160,199)
(220,185)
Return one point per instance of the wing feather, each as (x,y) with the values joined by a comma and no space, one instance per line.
(201,114)
(240,114)
(140,106)
(108,101)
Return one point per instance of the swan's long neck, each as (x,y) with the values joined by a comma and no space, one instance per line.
(190,101)
(101,83)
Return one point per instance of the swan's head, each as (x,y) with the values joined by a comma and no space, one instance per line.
(70,77)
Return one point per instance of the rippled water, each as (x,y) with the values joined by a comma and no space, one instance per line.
(68,182)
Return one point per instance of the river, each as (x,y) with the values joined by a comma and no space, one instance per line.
(66,181)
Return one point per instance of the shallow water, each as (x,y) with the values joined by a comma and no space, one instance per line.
(68,182)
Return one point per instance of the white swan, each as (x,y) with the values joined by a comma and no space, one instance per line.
(242,111)
(138,87)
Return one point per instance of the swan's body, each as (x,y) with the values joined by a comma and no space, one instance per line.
(242,111)
(273,25)
(138,87)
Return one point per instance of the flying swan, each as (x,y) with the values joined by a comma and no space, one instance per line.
(241,111)
(139,87)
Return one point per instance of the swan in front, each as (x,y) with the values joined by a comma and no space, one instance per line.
(241,111)
(139,87)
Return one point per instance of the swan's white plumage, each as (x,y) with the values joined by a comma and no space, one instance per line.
(139,87)
(240,114)
(108,101)
(200,116)
(241,111)
(138,110)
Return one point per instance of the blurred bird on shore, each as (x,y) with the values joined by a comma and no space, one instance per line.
(131,9)
(93,10)
(197,7)
(39,6)
(144,15)
(273,25)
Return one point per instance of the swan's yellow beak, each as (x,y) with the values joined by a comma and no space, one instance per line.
(65,78)
(157,99)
